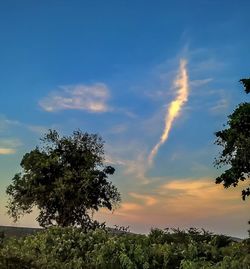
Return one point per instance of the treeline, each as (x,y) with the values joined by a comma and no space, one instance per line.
(71,248)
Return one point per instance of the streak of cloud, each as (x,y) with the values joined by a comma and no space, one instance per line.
(200,82)
(148,199)
(181,83)
(7,151)
(9,145)
(220,107)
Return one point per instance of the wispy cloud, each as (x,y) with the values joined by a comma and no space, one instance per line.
(198,192)
(200,82)
(125,207)
(174,108)
(148,199)
(91,98)
(114,161)
(200,197)
(181,203)
(137,168)
(6,123)
(209,64)
(118,129)
(10,142)
(7,151)
(220,107)
(9,145)
(38,129)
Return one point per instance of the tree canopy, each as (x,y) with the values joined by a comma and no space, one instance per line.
(65,179)
(235,141)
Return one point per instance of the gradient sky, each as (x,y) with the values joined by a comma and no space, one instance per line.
(108,67)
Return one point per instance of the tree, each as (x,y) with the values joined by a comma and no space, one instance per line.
(235,141)
(65,179)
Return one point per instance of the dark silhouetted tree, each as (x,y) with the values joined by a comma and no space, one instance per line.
(246,84)
(235,141)
(65,179)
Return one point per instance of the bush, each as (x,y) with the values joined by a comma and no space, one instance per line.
(68,248)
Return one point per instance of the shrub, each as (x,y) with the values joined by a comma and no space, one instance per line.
(67,248)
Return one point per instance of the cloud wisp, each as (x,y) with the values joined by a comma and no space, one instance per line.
(200,82)
(220,106)
(9,146)
(181,83)
(7,151)
(149,200)
(91,98)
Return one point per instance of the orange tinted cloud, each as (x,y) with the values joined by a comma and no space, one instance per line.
(126,207)
(174,109)
(200,188)
(6,151)
(179,203)
(148,199)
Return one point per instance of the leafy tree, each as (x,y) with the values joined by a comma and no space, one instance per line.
(65,179)
(246,84)
(235,141)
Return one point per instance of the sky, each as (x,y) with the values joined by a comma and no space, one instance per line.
(156,79)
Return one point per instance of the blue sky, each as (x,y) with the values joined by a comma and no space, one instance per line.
(108,67)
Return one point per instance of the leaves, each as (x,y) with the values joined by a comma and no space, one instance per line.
(67,248)
(246,84)
(235,141)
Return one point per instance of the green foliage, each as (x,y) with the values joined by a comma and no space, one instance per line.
(2,235)
(246,84)
(235,141)
(65,179)
(67,248)
(249,230)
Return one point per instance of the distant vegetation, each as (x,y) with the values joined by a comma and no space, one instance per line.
(10,231)
(71,248)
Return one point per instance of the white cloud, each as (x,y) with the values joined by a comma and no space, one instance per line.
(92,98)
